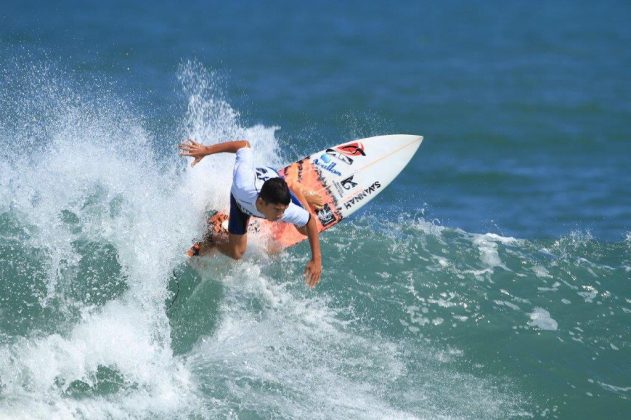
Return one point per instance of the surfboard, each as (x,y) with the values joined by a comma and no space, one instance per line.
(347,176)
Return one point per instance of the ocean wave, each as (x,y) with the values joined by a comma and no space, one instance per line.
(103,316)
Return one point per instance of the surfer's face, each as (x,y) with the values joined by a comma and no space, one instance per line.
(271,211)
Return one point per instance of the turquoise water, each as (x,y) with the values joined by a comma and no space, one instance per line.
(490,280)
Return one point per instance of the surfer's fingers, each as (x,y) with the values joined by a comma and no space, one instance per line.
(188,144)
(308,275)
(190,154)
(312,279)
(187,150)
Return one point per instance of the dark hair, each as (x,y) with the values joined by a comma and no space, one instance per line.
(275,191)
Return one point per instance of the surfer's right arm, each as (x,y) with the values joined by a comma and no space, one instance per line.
(198,151)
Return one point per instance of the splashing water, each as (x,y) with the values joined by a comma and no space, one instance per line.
(411,320)
(92,224)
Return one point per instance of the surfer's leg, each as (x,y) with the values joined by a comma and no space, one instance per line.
(206,246)
(216,233)
(234,247)
(236,242)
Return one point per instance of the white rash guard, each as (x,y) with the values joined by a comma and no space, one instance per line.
(246,185)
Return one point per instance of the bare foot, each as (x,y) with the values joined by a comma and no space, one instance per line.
(194,250)
(216,233)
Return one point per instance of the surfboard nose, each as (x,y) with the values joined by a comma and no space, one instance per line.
(413,140)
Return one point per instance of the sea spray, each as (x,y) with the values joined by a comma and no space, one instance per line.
(412,319)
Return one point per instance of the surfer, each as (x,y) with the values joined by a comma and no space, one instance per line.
(258,192)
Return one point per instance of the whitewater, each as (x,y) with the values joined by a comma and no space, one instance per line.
(103,316)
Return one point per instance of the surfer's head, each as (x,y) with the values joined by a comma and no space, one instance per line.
(273,199)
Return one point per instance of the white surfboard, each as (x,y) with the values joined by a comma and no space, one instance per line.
(357,171)
(347,176)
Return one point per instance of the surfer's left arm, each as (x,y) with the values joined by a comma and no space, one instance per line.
(314,267)
(198,151)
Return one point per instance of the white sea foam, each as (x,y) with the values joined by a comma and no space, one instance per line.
(488,251)
(297,354)
(98,165)
(541,271)
(589,293)
(541,319)
(295,349)
(274,350)
(487,246)
(554,288)
(622,390)
(507,304)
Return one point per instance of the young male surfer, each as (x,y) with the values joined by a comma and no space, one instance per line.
(259,192)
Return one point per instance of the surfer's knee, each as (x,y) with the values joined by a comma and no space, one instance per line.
(237,245)
(237,254)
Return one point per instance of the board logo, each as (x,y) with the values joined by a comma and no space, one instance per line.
(365,193)
(345,185)
(352,149)
(326,216)
(340,156)
(348,183)
(325,158)
(325,163)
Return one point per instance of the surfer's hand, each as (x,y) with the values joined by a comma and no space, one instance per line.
(312,272)
(193,149)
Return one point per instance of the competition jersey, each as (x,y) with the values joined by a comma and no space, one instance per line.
(246,185)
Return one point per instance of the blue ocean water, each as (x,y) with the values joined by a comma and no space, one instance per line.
(490,280)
